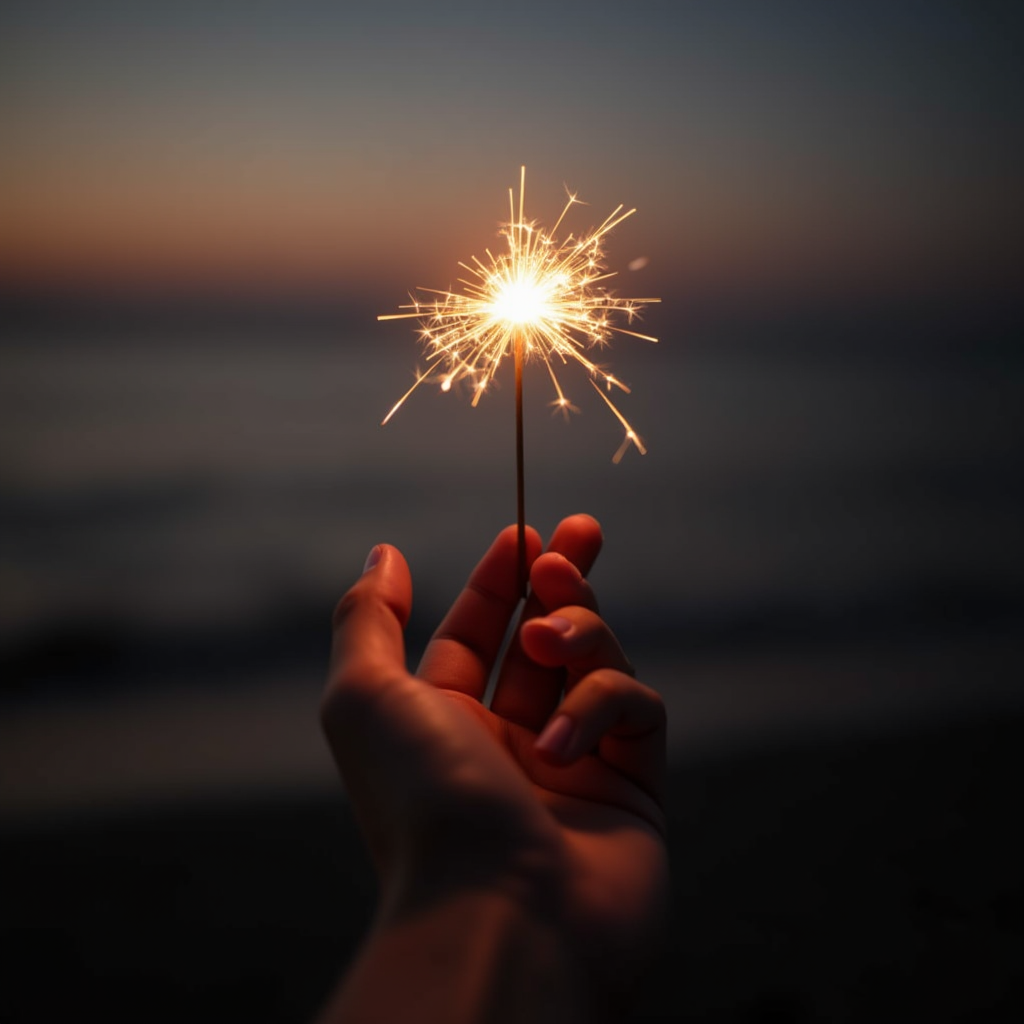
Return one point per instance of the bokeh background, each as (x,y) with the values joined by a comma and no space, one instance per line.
(820,562)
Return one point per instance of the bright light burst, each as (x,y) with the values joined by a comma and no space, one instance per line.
(543,297)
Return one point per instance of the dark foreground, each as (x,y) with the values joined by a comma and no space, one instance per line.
(875,880)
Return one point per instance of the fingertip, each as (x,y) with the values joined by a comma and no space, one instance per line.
(386,573)
(586,520)
(509,537)
(579,538)
(557,560)
(373,558)
(543,639)
(584,524)
(555,742)
(558,624)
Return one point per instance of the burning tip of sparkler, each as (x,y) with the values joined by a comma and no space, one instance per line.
(542,298)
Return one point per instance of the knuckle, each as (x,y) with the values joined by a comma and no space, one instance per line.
(607,683)
(591,629)
(610,686)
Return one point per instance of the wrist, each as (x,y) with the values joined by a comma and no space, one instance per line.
(479,954)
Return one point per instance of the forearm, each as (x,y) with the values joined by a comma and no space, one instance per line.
(474,958)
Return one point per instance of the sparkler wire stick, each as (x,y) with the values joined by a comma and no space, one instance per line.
(522,574)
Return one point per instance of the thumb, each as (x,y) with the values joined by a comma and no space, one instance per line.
(368,647)
(367,665)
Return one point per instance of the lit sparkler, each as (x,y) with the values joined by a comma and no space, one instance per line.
(541,299)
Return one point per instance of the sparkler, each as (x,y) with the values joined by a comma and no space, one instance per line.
(541,299)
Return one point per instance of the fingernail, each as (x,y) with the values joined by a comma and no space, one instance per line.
(372,558)
(558,623)
(556,737)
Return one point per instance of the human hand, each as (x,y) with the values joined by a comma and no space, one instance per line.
(551,796)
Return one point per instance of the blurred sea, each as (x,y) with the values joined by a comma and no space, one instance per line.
(181,505)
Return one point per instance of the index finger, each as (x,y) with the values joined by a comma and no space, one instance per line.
(462,652)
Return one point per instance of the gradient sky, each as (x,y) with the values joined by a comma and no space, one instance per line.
(328,145)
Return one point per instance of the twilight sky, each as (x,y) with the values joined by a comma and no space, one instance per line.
(329,145)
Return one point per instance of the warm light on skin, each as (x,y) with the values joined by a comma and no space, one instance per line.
(546,296)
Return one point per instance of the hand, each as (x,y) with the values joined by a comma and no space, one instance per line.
(551,796)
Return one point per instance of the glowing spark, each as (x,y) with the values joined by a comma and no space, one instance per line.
(545,295)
